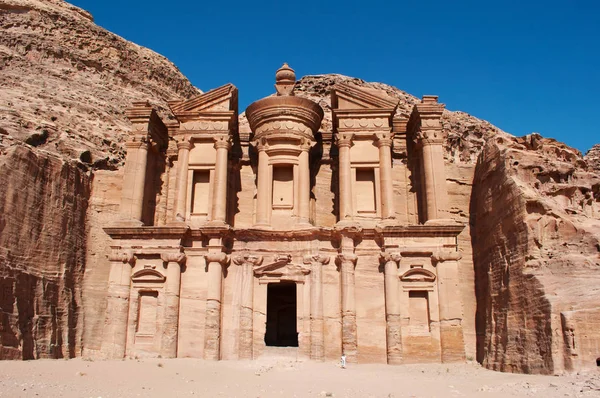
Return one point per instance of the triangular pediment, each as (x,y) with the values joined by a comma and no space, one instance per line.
(222,99)
(346,96)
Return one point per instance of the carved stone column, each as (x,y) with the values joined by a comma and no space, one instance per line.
(317,331)
(117,310)
(428,134)
(392,308)
(450,305)
(246,329)
(304,184)
(132,197)
(384,143)
(212,332)
(346,264)
(219,203)
(182,176)
(174,262)
(344,142)
(263,199)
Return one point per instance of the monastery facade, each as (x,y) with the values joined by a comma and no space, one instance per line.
(229,243)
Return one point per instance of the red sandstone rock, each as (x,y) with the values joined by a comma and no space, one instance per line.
(65,84)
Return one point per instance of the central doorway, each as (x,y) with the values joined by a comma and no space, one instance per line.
(281,315)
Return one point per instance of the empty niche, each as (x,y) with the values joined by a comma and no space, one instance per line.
(200,192)
(365,191)
(419,312)
(283,187)
(148,305)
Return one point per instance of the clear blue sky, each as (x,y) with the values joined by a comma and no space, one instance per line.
(525,66)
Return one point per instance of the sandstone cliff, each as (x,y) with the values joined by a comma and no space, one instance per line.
(65,83)
(535,216)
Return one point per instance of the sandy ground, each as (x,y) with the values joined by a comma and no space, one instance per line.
(276,378)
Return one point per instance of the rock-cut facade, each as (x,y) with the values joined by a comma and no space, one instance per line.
(230,244)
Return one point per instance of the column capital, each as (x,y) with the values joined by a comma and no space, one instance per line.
(344,140)
(445,255)
(387,257)
(316,258)
(137,142)
(222,141)
(177,257)
(383,139)
(247,258)
(346,258)
(184,145)
(221,258)
(306,144)
(126,257)
(429,137)
(261,144)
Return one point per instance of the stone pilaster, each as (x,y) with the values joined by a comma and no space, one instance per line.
(183,157)
(304,183)
(117,310)
(429,138)
(132,196)
(384,143)
(344,142)
(263,199)
(450,306)
(219,203)
(346,264)
(215,262)
(392,307)
(247,262)
(317,331)
(173,262)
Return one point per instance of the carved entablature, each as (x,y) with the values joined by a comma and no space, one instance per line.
(425,125)
(147,127)
(214,112)
(361,111)
(281,270)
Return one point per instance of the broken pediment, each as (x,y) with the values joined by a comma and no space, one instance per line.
(281,269)
(349,97)
(222,100)
(418,275)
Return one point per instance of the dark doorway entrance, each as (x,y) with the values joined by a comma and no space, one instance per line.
(281,315)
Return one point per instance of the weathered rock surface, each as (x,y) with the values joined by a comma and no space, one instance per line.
(536,228)
(65,84)
(66,81)
(592,157)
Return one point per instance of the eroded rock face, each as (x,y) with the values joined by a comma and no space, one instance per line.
(536,228)
(65,84)
(43,201)
(66,81)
